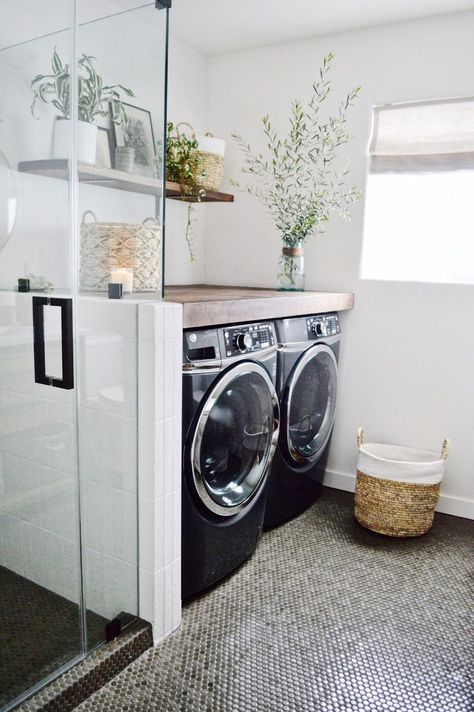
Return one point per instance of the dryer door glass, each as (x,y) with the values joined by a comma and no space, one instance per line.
(311,403)
(235,438)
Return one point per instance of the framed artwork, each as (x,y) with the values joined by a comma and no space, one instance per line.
(105,148)
(138,134)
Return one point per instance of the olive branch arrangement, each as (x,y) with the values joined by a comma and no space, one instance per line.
(297,181)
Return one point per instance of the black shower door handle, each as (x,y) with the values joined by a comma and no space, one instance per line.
(67,350)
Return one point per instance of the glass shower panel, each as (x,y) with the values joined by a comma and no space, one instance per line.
(119,237)
(40,582)
(75,214)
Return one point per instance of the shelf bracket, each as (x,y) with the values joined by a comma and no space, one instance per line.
(163,4)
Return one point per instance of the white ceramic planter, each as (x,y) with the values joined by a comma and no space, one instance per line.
(210,144)
(86,139)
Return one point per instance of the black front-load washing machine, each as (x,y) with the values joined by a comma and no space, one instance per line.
(230,432)
(307,386)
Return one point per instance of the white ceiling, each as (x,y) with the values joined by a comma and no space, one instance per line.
(220,26)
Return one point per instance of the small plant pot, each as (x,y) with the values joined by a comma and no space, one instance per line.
(124,159)
(86,140)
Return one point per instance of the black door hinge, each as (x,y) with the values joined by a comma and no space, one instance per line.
(113,629)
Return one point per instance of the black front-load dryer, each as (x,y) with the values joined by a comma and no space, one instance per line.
(307,387)
(230,432)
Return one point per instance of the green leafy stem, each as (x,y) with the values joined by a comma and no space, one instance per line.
(297,179)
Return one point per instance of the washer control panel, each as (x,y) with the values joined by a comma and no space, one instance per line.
(248,338)
(322,325)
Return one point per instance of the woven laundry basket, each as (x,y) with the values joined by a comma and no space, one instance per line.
(397,488)
(107,245)
(210,150)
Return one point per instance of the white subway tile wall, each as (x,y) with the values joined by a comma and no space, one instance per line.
(130,460)
(38,462)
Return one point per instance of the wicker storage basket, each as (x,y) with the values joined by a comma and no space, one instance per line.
(211,168)
(397,488)
(105,246)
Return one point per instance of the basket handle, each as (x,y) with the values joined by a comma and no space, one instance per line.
(360,437)
(88,212)
(153,220)
(445,449)
(184,123)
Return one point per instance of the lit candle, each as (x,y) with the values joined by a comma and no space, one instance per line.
(123,275)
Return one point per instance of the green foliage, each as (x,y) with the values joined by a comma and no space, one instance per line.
(297,180)
(94,99)
(182,161)
(183,166)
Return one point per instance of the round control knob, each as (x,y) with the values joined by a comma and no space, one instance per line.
(319,328)
(243,342)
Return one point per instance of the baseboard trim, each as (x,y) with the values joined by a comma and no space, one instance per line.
(457,506)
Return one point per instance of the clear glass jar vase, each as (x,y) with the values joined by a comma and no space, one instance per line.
(291,277)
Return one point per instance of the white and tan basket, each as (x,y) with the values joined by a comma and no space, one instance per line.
(397,488)
(107,245)
(210,173)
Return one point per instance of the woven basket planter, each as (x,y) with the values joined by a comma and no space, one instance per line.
(212,165)
(210,173)
(105,246)
(397,488)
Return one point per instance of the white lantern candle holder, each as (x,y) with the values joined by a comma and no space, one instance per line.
(124,276)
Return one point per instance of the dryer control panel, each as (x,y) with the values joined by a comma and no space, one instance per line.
(248,338)
(322,325)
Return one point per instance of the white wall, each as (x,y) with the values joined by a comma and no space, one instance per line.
(407,366)
(186,102)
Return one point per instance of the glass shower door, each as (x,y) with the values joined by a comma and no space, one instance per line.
(69,355)
(40,568)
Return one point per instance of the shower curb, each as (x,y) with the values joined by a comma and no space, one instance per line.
(77,684)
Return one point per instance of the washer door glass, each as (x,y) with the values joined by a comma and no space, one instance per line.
(235,438)
(311,403)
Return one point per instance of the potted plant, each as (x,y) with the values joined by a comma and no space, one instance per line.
(184,166)
(298,181)
(94,100)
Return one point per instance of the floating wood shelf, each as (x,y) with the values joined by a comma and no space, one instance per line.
(110,178)
(173,191)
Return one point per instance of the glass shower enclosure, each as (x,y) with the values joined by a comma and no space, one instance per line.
(82,125)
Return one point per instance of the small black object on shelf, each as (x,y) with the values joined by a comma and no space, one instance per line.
(113,629)
(23,284)
(115,290)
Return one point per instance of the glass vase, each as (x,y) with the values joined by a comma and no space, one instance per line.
(291,275)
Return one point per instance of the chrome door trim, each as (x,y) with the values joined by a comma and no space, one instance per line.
(292,346)
(262,355)
(307,356)
(217,365)
(217,390)
(190,369)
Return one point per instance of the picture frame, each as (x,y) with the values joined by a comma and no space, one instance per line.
(139,134)
(105,148)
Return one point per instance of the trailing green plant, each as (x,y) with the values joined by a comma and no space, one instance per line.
(297,180)
(183,166)
(94,99)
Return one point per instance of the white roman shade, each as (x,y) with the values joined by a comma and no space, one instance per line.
(429,136)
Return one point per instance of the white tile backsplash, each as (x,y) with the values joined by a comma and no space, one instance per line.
(119,317)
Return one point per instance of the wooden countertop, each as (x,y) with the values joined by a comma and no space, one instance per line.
(206,305)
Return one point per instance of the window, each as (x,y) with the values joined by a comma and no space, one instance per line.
(419,210)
